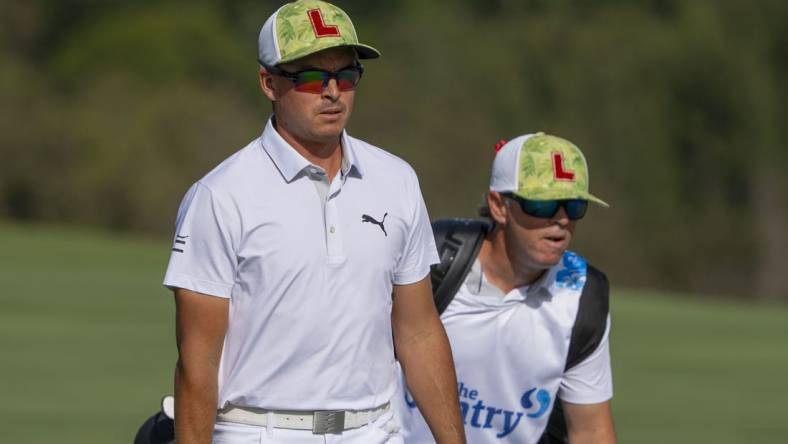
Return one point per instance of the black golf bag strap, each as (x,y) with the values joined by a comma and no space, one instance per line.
(458,242)
(587,333)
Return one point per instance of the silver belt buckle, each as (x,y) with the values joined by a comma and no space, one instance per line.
(328,421)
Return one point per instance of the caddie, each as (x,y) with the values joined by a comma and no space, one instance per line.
(528,319)
(301,262)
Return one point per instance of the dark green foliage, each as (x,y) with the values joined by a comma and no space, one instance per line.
(109,110)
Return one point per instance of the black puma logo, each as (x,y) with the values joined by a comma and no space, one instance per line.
(370,219)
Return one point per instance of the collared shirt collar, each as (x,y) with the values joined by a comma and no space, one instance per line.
(290,162)
(545,281)
(477,283)
(350,163)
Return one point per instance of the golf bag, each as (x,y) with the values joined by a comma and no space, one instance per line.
(459,242)
(159,428)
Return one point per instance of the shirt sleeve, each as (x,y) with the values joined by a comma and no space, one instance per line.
(420,252)
(203,256)
(591,381)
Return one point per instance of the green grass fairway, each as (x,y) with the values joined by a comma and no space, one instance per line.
(86,333)
(687,371)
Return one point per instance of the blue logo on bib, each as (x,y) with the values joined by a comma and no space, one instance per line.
(573,274)
(542,397)
(479,413)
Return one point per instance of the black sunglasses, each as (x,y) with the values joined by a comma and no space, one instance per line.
(544,209)
(313,80)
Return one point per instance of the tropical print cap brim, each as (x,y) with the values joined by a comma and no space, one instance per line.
(363,51)
(560,195)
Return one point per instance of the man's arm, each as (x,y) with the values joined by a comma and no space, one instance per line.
(200,326)
(425,356)
(589,423)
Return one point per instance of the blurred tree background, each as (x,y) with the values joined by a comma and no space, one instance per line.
(110,109)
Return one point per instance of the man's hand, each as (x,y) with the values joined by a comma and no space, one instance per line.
(589,423)
(425,356)
(200,326)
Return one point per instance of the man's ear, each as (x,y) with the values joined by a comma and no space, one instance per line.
(267,84)
(499,211)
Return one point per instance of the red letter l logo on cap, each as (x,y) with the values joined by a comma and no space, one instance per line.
(558,168)
(320,27)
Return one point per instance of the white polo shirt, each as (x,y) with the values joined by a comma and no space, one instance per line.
(309,273)
(509,352)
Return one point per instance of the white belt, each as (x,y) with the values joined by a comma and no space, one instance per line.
(320,422)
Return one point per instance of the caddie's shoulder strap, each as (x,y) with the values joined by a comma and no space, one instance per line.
(587,333)
(591,320)
(458,242)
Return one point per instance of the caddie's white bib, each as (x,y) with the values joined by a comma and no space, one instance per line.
(510,352)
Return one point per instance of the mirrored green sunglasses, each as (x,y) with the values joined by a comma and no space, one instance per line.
(544,209)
